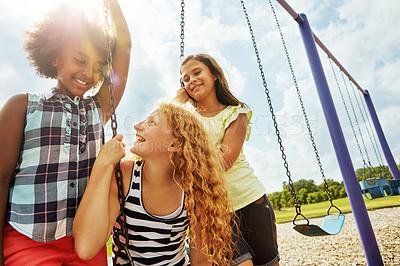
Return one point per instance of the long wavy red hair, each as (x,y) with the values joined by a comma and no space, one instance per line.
(201,174)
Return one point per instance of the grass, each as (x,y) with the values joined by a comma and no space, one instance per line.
(320,209)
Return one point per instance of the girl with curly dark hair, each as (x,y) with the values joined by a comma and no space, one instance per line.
(49,141)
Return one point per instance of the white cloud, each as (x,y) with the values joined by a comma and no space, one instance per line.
(267,166)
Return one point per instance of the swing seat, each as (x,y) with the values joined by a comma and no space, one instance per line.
(376,187)
(395,185)
(331,225)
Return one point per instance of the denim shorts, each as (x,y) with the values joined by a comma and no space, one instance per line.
(256,239)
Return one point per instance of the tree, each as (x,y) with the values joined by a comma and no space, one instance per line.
(275,199)
(302,196)
(286,198)
(381,171)
(315,197)
(343,192)
(333,186)
(307,192)
(309,185)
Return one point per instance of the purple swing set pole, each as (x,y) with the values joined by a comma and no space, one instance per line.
(394,169)
(367,236)
(385,147)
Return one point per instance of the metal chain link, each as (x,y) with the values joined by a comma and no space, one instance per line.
(370,167)
(182,44)
(370,126)
(370,131)
(363,119)
(372,144)
(271,109)
(355,118)
(122,231)
(347,113)
(314,145)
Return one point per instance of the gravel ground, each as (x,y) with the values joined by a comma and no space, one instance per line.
(344,248)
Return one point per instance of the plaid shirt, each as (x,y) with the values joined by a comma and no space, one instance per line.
(61,140)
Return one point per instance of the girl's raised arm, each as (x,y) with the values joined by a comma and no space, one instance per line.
(99,208)
(233,140)
(120,60)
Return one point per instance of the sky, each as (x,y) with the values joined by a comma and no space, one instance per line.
(362,34)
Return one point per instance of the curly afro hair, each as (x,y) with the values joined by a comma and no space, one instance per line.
(57,30)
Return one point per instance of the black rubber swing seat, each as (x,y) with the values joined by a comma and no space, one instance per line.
(331,225)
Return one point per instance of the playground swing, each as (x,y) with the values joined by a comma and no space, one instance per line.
(122,231)
(394,184)
(375,187)
(332,223)
(384,170)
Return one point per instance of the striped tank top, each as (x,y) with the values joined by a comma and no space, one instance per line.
(152,240)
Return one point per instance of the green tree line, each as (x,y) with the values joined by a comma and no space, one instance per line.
(308,192)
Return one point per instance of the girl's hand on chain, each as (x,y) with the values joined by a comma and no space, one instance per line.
(113,151)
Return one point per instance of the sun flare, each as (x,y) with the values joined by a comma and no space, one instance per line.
(38,8)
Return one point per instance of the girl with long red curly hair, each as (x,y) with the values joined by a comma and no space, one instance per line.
(177,185)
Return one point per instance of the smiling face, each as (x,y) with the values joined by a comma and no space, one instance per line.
(153,136)
(79,68)
(198,79)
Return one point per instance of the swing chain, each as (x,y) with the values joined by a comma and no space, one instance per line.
(375,147)
(182,44)
(373,139)
(122,231)
(349,118)
(355,117)
(314,145)
(383,170)
(346,109)
(363,118)
(271,109)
